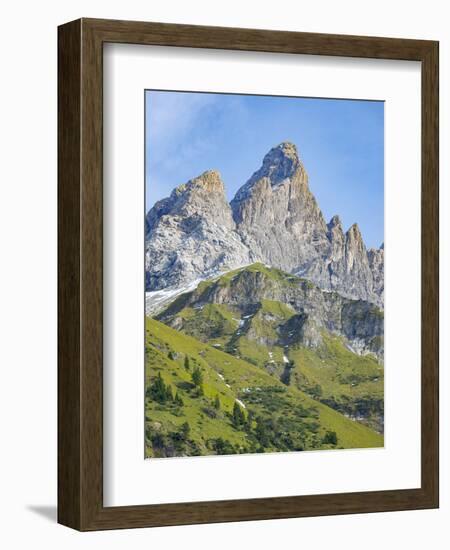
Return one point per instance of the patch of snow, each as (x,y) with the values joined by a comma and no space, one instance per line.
(270,354)
(240,403)
(156,300)
(228,385)
(285,359)
(220,376)
(217,345)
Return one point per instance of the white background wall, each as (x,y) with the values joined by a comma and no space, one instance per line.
(28,272)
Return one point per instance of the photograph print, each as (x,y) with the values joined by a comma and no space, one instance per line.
(264,274)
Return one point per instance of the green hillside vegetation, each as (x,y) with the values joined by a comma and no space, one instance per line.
(268,334)
(201,401)
(349,383)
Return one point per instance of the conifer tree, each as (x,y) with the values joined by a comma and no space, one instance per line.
(238,416)
(185,430)
(197,377)
(217,402)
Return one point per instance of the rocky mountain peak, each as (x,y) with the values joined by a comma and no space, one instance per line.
(336,236)
(201,197)
(274,218)
(281,165)
(191,234)
(334,230)
(354,233)
(276,214)
(280,162)
(208,186)
(356,252)
(334,222)
(210,181)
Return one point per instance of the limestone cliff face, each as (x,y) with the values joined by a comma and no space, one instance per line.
(376,264)
(278,218)
(276,214)
(349,268)
(191,235)
(274,218)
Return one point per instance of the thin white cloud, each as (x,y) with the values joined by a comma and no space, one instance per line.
(179,128)
(171,115)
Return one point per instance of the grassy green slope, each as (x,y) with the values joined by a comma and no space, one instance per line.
(349,383)
(281,418)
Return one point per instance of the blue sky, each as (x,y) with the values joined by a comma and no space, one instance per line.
(341,143)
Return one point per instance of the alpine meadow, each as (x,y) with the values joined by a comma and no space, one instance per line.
(264,327)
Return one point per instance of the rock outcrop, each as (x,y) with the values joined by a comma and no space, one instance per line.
(376,264)
(358,321)
(192,235)
(276,214)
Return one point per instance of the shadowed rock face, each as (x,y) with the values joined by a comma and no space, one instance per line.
(274,218)
(358,321)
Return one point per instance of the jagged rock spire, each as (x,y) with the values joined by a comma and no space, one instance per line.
(281,164)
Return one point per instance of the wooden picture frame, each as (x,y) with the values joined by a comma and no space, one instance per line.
(80,272)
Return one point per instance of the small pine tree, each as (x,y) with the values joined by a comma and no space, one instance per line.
(330,438)
(158,389)
(178,400)
(197,377)
(249,421)
(238,416)
(170,355)
(261,432)
(217,402)
(185,430)
(186,363)
(169,393)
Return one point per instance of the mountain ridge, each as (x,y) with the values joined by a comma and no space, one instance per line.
(274,218)
(311,309)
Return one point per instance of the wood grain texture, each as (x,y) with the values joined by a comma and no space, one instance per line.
(69,245)
(80,264)
(430,273)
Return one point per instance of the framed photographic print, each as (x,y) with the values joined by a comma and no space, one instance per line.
(248,274)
